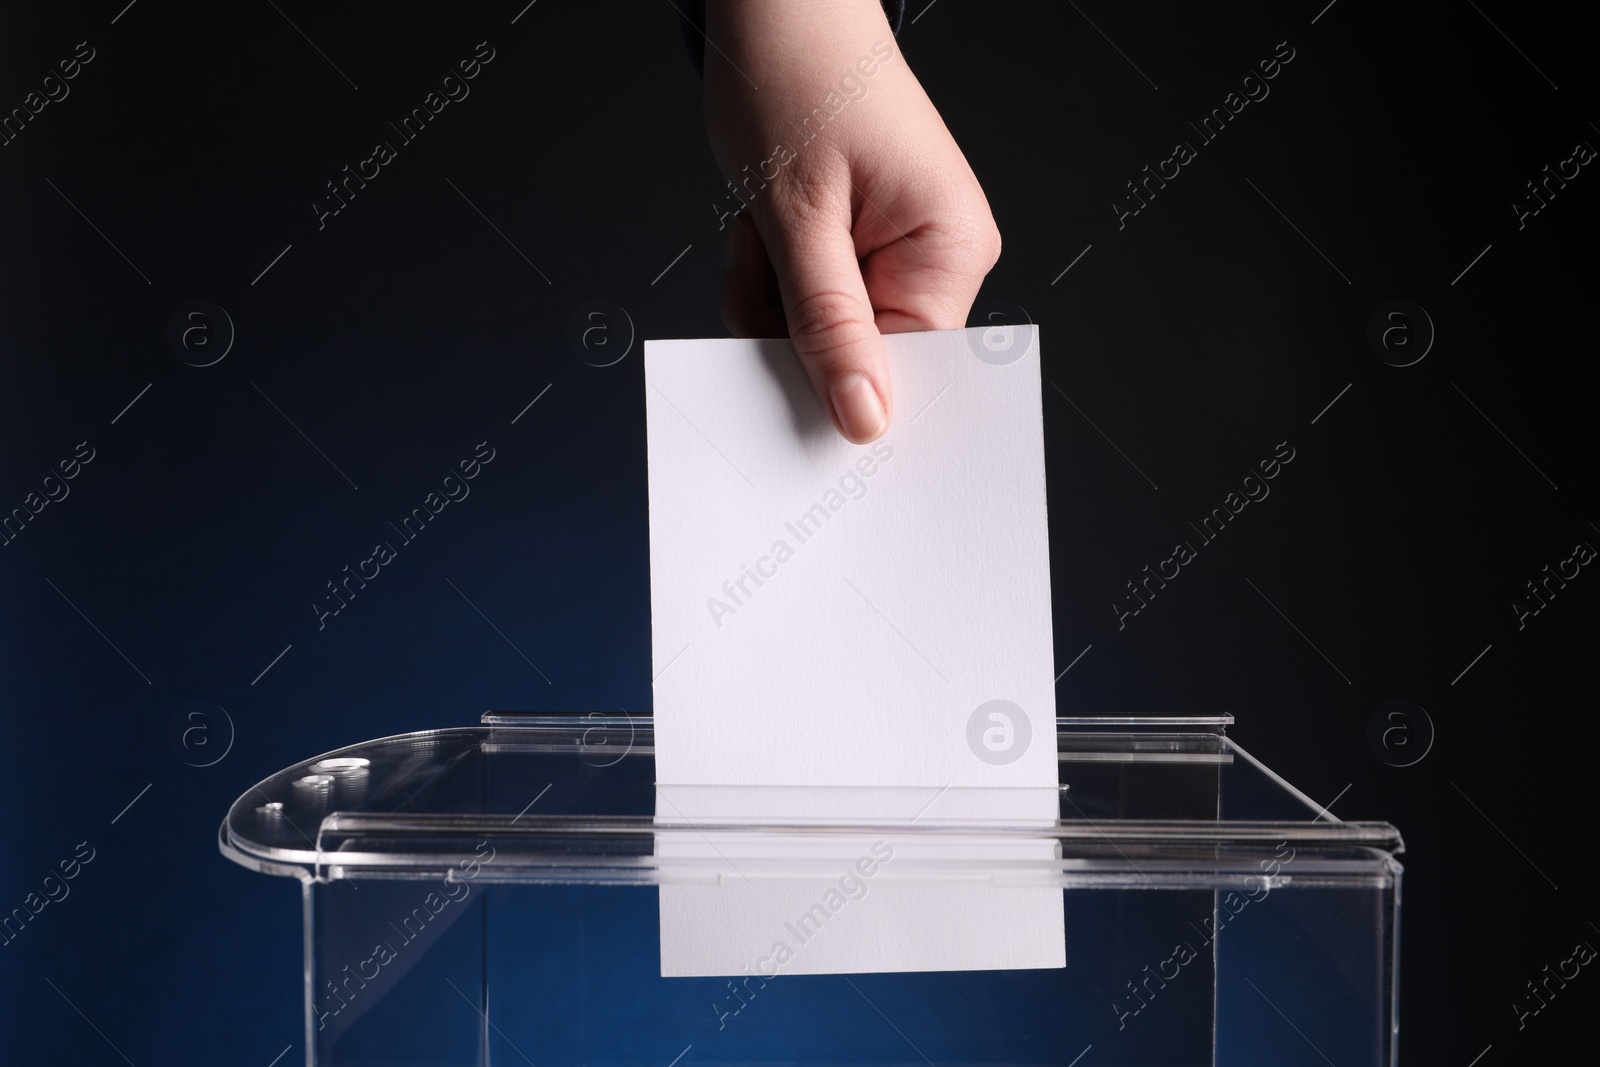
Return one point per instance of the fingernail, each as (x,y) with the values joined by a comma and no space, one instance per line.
(736,240)
(858,408)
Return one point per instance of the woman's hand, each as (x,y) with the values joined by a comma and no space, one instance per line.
(862,216)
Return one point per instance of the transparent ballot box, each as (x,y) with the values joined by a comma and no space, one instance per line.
(520,892)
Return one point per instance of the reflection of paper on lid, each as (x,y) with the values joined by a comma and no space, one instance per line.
(826,614)
(887,898)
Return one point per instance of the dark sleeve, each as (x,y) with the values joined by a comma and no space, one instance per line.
(692,21)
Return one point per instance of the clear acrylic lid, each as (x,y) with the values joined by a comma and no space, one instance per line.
(1144,802)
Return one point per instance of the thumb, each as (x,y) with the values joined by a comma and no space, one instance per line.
(831,323)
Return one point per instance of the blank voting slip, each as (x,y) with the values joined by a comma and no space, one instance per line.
(852,631)
(825,613)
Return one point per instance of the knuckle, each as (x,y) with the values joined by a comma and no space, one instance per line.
(815,185)
(978,236)
(827,326)
(989,245)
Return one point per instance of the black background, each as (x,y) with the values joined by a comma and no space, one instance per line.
(1196,338)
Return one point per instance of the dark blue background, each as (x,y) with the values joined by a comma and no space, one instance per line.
(408,330)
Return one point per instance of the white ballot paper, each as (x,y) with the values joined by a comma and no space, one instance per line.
(871,622)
